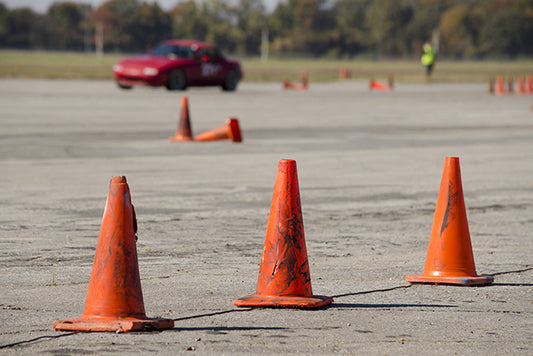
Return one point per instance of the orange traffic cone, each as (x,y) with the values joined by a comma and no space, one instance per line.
(304,81)
(529,85)
(449,257)
(303,86)
(374,85)
(230,130)
(345,73)
(519,86)
(184,132)
(114,299)
(510,85)
(390,81)
(284,279)
(499,86)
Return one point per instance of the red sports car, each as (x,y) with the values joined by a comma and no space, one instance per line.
(178,64)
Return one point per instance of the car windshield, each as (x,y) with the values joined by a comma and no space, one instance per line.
(172,51)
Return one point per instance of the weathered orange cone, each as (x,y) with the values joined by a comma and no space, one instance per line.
(284,279)
(529,85)
(499,86)
(184,132)
(449,257)
(230,130)
(114,299)
(519,86)
(375,85)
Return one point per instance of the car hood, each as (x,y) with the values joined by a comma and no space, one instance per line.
(140,62)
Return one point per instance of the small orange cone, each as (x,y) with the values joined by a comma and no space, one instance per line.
(184,132)
(499,86)
(529,85)
(284,279)
(520,86)
(230,130)
(449,257)
(114,299)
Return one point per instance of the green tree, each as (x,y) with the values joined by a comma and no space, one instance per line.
(508,33)
(65,23)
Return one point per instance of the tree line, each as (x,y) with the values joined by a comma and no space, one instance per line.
(466,29)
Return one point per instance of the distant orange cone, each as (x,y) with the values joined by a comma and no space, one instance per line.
(114,299)
(345,73)
(184,132)
(390,80)
(284,279)
(298,87)
(449,257)
(375,85)
(230,130)
(519,86)
(499,86)
(529,85)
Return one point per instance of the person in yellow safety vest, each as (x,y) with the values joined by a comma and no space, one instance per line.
(428,57)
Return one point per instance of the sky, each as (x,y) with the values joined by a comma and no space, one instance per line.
(42,6)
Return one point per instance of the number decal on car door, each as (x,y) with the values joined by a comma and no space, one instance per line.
(209,69)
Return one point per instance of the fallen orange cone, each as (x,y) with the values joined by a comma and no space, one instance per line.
(284,278)
(298,87)
(375,85)
(184,132)
(449,257)
(230,130)
(114,299)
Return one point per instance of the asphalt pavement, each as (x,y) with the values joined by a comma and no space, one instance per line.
(369,168)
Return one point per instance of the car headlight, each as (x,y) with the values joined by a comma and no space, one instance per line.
(150,71)
(117,68)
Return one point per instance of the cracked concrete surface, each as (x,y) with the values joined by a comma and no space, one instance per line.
(369,166)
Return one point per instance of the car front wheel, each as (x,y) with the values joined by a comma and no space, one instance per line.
(231,81)
(176,80)
(123,86)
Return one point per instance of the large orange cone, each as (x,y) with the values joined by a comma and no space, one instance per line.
(184,132)
(114,300)
(230,130)
(284,279)
(449,257)
(499,86)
